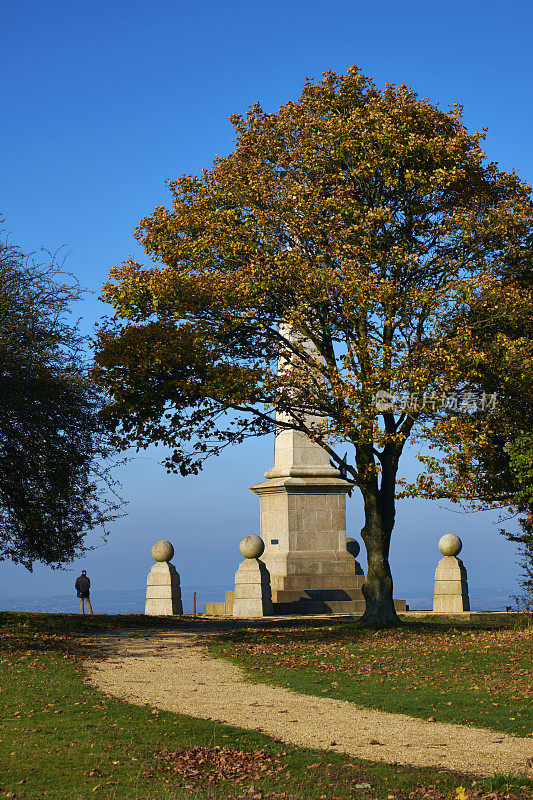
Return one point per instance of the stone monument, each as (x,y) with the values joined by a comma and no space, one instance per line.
(303,524)
(252,595)
(451,585)
(163,592)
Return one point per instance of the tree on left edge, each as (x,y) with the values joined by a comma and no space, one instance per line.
(55,485)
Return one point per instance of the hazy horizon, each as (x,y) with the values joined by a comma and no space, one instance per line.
(110,601)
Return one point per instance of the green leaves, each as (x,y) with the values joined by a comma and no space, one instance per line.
(520,452)
(54,486)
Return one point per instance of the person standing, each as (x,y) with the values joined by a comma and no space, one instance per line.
(82,586)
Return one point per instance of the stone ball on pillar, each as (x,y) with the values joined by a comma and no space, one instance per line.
(352,546)
(252,546)
(162,550)
(450,545)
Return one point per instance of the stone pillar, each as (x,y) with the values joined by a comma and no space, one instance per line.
(354,548)
(252,596)
(163,592)
(451,585)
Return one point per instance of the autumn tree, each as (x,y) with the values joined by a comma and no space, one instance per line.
(366,221)
(494,466)
(54,482)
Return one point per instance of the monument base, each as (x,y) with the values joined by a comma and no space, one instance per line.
(331,588)
(303,606)
(303,594)
(303,527)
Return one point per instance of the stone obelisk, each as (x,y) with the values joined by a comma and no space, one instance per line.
(303,526)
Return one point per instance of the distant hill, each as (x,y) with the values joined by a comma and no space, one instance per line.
(131,601)
(480,599)
(110,601)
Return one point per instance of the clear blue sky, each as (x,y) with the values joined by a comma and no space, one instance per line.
(103,101)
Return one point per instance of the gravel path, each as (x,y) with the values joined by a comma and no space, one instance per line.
(173,671)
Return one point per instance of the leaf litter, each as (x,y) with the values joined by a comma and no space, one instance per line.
(213,764)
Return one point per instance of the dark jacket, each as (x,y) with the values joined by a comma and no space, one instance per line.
(82,586)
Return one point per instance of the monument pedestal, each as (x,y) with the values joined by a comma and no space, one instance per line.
(303,525)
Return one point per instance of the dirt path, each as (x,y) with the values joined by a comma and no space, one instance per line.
(174,671)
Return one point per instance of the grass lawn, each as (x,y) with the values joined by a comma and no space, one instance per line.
(61,739)
(471,673)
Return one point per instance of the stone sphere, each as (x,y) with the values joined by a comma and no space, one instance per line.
(162,550)
(353,547)
(251,546)
(450,544)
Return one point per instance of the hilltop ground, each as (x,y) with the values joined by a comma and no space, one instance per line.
(66,739)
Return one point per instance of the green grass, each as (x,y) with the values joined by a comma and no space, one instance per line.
(474,674)
(61,739)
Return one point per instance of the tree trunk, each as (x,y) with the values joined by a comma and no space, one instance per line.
(377,588)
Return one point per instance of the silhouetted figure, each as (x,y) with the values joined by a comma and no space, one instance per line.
(82,586)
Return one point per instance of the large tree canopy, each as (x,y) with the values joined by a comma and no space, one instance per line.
(494,345)
(495,463)
(54,485)
(368,222)
(487,460)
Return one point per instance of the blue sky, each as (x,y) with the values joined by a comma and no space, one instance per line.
(104,101)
